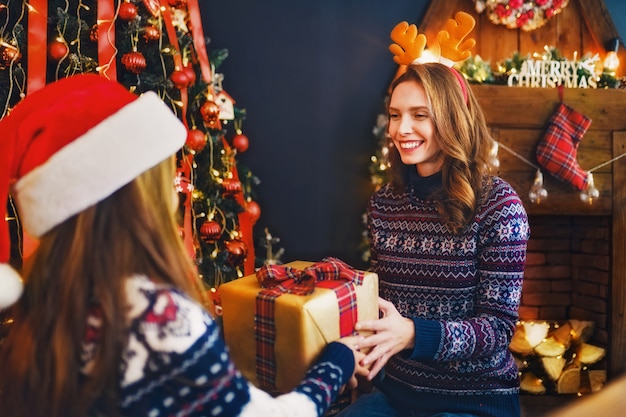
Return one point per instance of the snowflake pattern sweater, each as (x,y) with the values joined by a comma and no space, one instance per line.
(461,291)
(176,364)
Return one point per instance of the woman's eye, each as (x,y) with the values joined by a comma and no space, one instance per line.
(421,116)
(393,116)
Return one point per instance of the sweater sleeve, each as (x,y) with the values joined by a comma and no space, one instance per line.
(176,363)
(502,238)
(315,393)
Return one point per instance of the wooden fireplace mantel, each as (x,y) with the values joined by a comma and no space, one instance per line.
(517,117)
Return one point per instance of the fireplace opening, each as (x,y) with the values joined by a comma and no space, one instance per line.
(562,338)
(568,271)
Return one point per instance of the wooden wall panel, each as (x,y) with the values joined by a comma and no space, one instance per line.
(569,26)
(535,41)
(518,119)
(617,359)
(530,107)
(492,41)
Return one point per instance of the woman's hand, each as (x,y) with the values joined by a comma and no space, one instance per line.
(359,368)
(388,335)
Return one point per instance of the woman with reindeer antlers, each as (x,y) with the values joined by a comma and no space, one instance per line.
(448,241)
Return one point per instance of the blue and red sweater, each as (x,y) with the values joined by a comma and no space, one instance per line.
(462,292)
(176,364)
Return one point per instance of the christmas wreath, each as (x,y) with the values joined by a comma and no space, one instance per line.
(516,14)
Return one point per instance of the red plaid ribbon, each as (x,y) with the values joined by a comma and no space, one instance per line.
(277,280)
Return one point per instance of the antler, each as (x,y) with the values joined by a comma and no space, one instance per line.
(408,44)
(453,47)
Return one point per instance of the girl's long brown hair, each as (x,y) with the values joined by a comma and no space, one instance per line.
(80,263)
(463,136)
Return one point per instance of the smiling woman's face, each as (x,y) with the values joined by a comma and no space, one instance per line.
(412,129)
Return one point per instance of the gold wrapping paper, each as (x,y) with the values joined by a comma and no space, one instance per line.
(304,324)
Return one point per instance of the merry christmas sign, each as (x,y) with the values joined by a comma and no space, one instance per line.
(550,73)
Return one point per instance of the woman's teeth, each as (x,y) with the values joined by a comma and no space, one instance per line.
(410,145)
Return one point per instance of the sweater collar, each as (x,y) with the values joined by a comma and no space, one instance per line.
(424,187)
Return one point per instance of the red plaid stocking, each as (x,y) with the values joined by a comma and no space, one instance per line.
(556,152)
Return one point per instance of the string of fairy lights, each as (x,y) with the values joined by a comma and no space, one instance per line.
(538,193)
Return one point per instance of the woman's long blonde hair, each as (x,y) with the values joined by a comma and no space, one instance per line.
(463,137)
(81,263)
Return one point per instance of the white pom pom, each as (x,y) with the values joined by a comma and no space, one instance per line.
(480,6)
(10,286)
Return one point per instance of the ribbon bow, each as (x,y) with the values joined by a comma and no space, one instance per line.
(289,280)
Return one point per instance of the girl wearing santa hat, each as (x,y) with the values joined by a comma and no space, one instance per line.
(110,321)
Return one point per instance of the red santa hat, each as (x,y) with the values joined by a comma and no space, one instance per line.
(69,146)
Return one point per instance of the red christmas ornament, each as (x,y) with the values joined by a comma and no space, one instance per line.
(191,73)
(196,140)
(237,252)
(151,33)
(254,210)
(128,11)
(210,231)
(180,79)
(93,33)
(210,113)
(10,54)
(230,187)
(176,3)
(57,50)
(240,142)
(134,62)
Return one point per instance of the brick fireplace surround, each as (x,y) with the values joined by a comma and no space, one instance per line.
(567,272)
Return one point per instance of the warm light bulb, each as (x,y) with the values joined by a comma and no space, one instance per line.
(611,61)
(494,162)
(537,193)
(591,193)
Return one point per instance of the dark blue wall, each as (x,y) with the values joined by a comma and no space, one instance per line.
(312,76)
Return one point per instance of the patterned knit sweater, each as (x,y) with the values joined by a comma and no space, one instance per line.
(462,292)
(176,364)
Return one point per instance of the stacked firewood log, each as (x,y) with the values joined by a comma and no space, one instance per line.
(558,357)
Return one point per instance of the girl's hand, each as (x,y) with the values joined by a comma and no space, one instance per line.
(359,368)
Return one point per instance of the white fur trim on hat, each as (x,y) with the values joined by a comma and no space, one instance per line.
(92,167)
(11,286)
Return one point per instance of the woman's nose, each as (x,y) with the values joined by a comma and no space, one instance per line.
(406,125)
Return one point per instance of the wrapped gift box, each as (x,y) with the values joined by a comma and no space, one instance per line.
(304,324)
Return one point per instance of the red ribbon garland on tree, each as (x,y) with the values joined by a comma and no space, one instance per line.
(198,39)
(106,39)
(37,44)
(178,61)
(188,234)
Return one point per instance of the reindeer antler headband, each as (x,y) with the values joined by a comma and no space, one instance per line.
(408,45)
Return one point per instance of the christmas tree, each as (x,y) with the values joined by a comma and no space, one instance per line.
(145,45)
